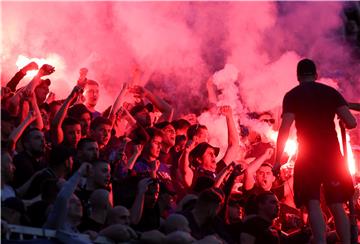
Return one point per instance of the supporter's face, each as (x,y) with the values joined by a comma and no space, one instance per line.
(265,177)
(75,207)
(122,217)
(202,135)
(208,160)
(85,121)
(41,93)
(91,94)
(36,143)
(155,146)
(72,134)
(235,212)
(102,175)
(90,152)
(271,207)
(169,135)
(102,134)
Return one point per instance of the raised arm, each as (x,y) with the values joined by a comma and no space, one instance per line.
(137,208)
(165,108)
(131,161)
(185,173)
(57,133)
(12,84)
(58,214)
(17,132)
(249,176)
(233,148)
(211,92)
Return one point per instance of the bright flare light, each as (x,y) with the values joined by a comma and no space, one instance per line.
(350,156)
(290,147)
(23,61)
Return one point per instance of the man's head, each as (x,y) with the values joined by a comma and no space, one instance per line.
(176,222)
(264,176)
(267,117)
(118,215)
(181,126)
(34,142)
(81,113)
(87,150)
(169,133)
(101,176)
(142,114)
(61,160)
(306,71)
(101,130)
(152,194)
(198,133)
(153,146)
(72,131)
(210,201)
(267,205)
(42,90)
(204,155)
(91,93)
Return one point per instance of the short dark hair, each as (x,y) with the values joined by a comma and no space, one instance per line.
(58,155)
(68,121)
(306,67)
(77,110)
(193,130)
(99,121)
(83,141)
(26,134)
(162,125)
(152,132)
(180,124)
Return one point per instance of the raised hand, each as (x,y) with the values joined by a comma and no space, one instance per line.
(144,184)
(82,78)
(85,169)
(77,90)
(225,110)
(46,69)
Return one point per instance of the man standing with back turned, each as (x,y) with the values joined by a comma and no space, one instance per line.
(313,107)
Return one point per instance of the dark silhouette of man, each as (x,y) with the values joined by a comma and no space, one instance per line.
(313,107)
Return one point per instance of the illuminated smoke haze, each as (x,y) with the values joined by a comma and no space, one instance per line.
(178,45)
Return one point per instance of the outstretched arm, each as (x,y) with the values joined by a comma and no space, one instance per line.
(57,133)
(161,104)
(233,148)
(12,84)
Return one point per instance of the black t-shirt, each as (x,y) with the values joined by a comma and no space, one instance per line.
(261,230)
(150,219)
(314,105)
(204,179)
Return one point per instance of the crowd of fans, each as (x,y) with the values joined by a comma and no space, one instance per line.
(133,176)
